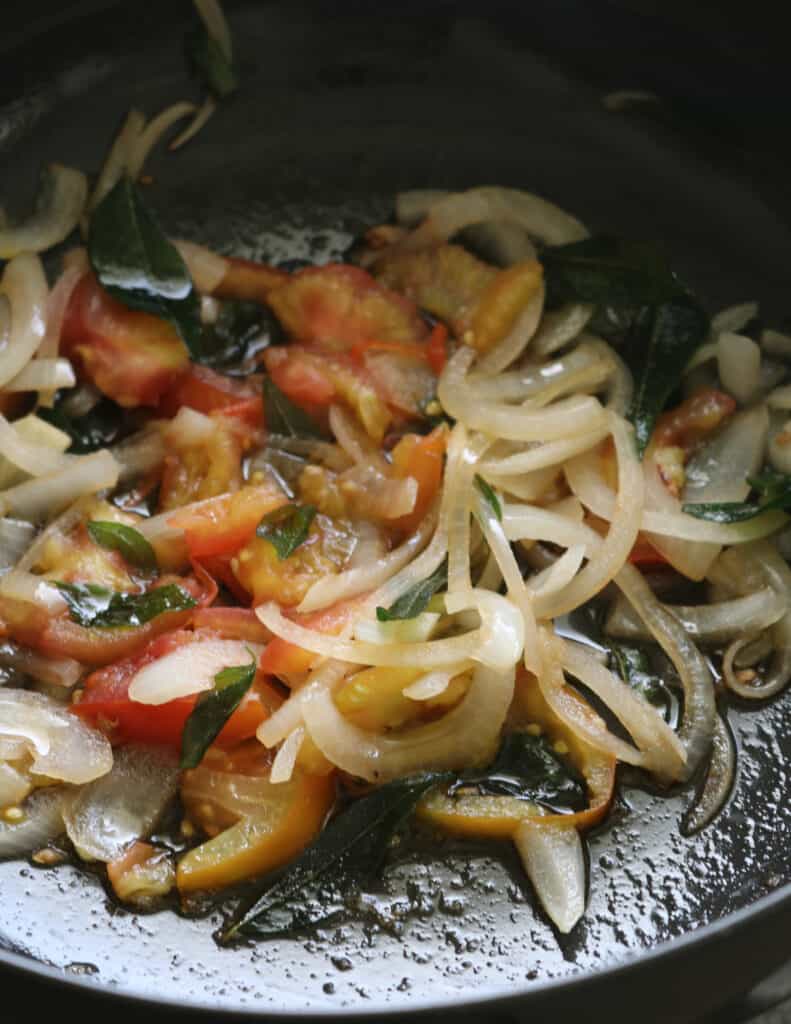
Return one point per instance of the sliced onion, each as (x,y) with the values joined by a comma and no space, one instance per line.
(14,787)
(699,707)
(189,428)
(528,486)
(739,366)
(15,538)
(206,268)
(286,757)
(663,753)
(117,159)
(586,482)
(38,499)
(546,456)
(188,669)
(776,343)
(32,458)
(139,454)
(559,574)
(555,864)
(43,821)
(325,677)
(25,286)
(354,441)
(56,530)
(717,784)
(108,815)
(567,418)
(734,318)
(59,205)
(709,623)
(531,380)
(433,684)
(465,736)
(540,218)
(498,642)
(560,327)
(203,115)
(718,471)
(358,580)
(43,375)
(621,537)
(211,13)
(455,509)
(152,133)
(61,745)
(62,672)
(19,585)
(397,631)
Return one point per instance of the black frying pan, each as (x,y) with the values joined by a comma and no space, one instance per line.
(342,105)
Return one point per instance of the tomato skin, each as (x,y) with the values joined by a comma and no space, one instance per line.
(60,637)
(287,661)
(105,702)
(207,391)
(132,357)
(233,624)
(302,376)
(437,348)
(422,459)
(223,524)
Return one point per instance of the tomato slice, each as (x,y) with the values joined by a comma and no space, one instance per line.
(105,701)
(289,662)
(133,358)
(422,459)
(221,525)
(207,391)
(437,348)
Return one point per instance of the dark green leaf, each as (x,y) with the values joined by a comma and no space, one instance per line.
(528,768)
(284,418)
(287,527)
(347,855)
(212,710)
(105,424)
(773,490)
(661,342)
(633,666)
(138,265)
(491,498)
(610,273)
(127,541)
(648,310)
(240,332)
(414,601)
(92,605)
(212,65)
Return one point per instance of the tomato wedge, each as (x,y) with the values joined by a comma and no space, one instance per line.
(133,358)
(105,701)
(207,391)
(422,459)
(221,525)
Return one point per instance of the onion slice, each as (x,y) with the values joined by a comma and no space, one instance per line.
(718,782)
(555,864)
(43,822)
(188,670)
(59,206)
(465,736)
(25,286)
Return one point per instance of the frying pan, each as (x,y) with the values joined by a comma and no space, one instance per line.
(343,105)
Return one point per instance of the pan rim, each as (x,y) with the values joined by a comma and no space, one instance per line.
(634,961)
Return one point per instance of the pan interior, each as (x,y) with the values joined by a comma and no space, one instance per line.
(334,116)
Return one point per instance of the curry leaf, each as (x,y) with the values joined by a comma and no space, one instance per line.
(658,321)
(347,855)
(126,540)
(773,491)
(105,424)
(415,600)
(98,607)
(284,418)
(489,496)
(138,265)
(634,667)
(241,330)
(210,62)
(212,710)
(286,528)
(527,767)
(661,342)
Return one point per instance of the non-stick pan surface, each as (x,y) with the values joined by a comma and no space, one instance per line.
(340,107)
